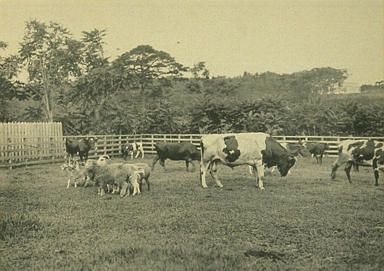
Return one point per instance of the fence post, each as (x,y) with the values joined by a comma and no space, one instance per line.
(105,146)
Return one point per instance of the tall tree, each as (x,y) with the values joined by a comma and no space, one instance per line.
(149,66)
(51,57)
(10,88)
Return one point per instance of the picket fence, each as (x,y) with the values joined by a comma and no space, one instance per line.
(37,143)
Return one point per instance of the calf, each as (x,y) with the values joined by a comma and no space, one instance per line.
(81,146)
(131,149)
(176,151)
(317,150)
(360,153)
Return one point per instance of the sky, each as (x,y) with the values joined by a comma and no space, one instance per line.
(231,37)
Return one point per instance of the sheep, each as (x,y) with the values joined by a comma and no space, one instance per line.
(112,174)
(143,174)
(75,172)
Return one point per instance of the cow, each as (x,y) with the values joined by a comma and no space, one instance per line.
(360,153)
(317,150)
(81,146)
(176,151)
(131,149)
(253,149)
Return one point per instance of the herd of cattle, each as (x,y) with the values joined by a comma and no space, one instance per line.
(259,151)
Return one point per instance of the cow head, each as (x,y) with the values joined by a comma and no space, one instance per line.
(285,164)
(91,141)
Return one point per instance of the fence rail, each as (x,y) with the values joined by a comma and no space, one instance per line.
(37,149)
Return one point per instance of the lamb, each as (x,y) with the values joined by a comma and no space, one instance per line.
(75,172)
(143,173)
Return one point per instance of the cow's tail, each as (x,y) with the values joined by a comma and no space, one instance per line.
(340,149)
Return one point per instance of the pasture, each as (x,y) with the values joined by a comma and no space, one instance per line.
(303,222)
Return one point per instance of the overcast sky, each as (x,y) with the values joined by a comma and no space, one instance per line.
(282,36)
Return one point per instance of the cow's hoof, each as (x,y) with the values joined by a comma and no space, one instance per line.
(261,188)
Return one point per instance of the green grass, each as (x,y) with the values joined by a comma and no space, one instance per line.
(304,222)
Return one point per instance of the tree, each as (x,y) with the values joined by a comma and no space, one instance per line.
(148,66)
(10,88)
(200,71)
(51,57)
(92,49)
(317,81)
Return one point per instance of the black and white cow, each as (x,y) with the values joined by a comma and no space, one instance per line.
(132,149)
(360,153)
(253,149)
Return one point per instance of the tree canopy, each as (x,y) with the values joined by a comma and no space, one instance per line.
(145,90)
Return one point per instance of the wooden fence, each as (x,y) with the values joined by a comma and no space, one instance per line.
(36,145)
(22,143)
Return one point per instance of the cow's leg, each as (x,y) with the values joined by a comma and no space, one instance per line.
(69,181)
(155,161)
(131,155)
(193,165)
(187,164)
(321,159)
(213,172)
(147,180)
(375,171)
(342,159)
(260,174)
(137,154)
(203,173)
(347,169)
(162,163)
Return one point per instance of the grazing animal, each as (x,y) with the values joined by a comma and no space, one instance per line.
(360,153)
(74,173)
(143,174)
(81,146)
(103,160)
(253,149)
(131,149)
(176,151)
(112,175)
(317,150)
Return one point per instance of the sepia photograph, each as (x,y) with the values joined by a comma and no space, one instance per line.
(191,135)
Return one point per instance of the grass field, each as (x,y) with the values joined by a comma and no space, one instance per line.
(304,222)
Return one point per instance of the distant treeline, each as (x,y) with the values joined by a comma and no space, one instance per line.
(146,90)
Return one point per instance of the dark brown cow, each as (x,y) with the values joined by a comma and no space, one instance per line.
(176,151)
(81,146)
